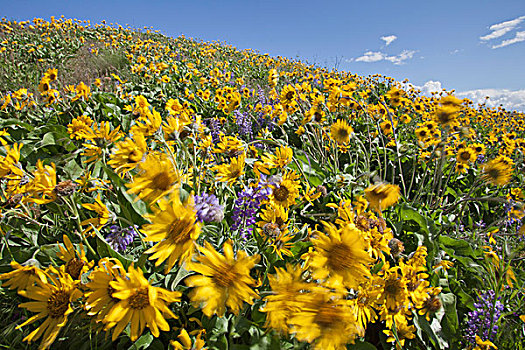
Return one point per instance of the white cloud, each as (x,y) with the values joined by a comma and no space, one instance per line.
(388,39)
(403,56)
(371,56)
(427,89)
(500,29)
(430,87)
(520,36)
(511,100)
(376,56)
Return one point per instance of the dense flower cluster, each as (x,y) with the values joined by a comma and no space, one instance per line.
(232,199)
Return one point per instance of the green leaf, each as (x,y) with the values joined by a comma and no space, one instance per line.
(143,342)
(407,212)
(449,322)
(433,331)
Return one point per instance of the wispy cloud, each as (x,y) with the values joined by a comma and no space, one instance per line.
(376,56)
(520,36)
(500,29)
(388,39)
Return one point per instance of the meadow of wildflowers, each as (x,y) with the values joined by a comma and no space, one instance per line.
(163,192)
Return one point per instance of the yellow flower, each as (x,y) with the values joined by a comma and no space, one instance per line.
(229,173)
(76,261)
(128,154)
(466,155)
(325,319)
(184,341)
(148,123)
(139,303)
(431,305)
(174,226)
(100,133)
(22,277)
(395,96)
(283,156)
(382,196)
(99,298)
(366,301)
(497,172)
(311,193)
(484,344)
(280,244)
(158,177)
(52,302)
(340,256)
(51,74)
(340,132)
(224,281)
(403,331)
(394,294)
(287,191)
(79,127)
(82,91)
(102,212)
(445,116)
(286,285)
(288,95)
(44,182)
(229,145)
(175,128)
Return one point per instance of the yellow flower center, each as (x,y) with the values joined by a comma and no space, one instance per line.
(393,287)
(161,181)
(235,173)
(140,299)
(281,193)
(180,230)
(342,134)
(289,95)
(224,277)
(445,117)
(328,316)
(74,267)
(494,174)
(58,303)
(432,304)
(464,156)
(339,257)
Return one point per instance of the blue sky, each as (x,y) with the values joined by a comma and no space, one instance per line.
(474,47)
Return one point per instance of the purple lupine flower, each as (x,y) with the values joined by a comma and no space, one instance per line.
(480,322)
(245,124)
(261,95)
(247,204)
(215,127)
(119,238)
(208,208)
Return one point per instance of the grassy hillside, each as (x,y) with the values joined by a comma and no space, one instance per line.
(161,191)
